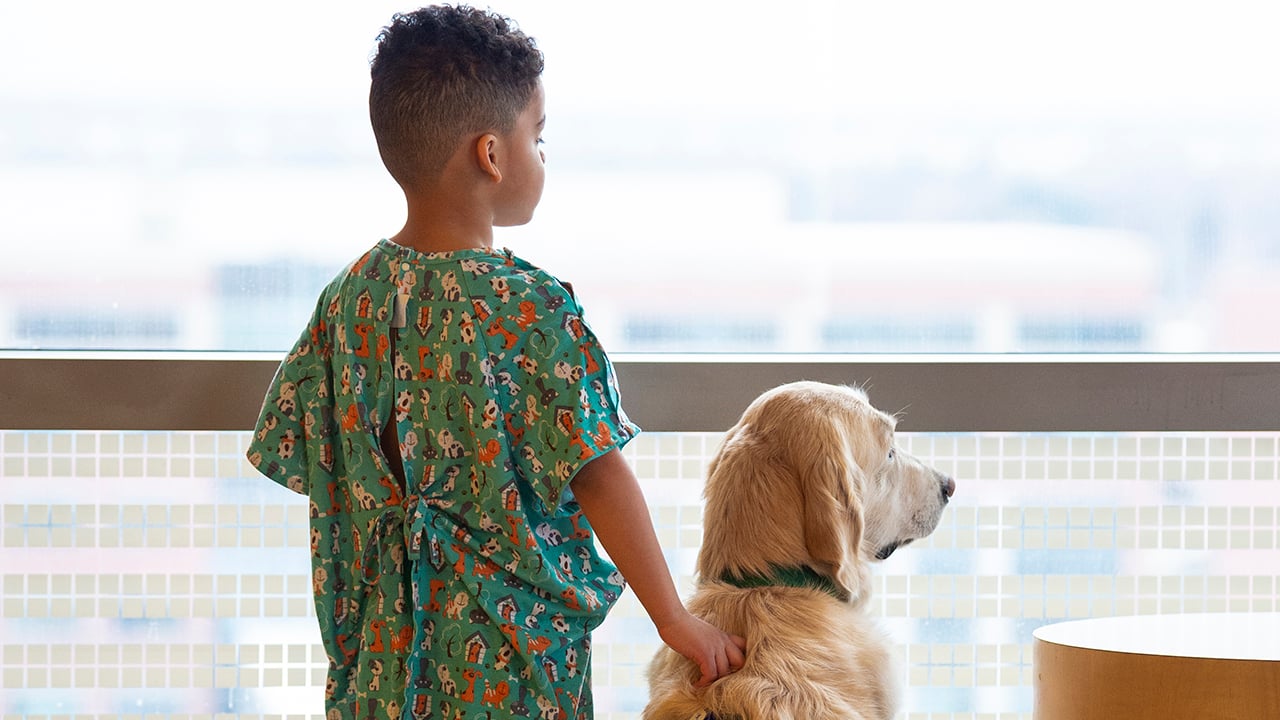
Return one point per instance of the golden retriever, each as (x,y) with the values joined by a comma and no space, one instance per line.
(806,489)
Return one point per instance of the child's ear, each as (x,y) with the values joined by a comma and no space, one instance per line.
(486,154)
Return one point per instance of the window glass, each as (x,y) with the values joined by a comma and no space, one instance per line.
(1044,527)
(823,176)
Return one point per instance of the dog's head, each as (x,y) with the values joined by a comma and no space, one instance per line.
(810,476)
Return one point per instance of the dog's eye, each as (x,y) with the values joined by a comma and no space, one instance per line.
(892,455)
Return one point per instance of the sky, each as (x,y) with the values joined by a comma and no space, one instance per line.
(1090,57)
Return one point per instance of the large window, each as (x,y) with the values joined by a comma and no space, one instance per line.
(819,176)
(972,184)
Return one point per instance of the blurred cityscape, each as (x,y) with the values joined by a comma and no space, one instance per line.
(189,228)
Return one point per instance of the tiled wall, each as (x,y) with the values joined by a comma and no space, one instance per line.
(150,574)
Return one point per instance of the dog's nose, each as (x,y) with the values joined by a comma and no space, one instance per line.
(948,487)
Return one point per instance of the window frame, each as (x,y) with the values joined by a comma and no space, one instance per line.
(64,390)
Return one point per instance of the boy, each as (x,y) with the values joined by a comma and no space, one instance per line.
(455,423)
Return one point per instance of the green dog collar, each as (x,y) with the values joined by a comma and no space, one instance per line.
(797,577)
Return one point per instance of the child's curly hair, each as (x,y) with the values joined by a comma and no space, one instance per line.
(440,73)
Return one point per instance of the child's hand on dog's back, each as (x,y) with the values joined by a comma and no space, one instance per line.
(610,496)
(715,652)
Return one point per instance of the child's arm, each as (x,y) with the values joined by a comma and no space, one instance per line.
(610,496)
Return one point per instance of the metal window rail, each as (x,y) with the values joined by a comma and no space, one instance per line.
(58,390)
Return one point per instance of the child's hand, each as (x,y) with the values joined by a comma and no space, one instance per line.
(610,495)
(716,653)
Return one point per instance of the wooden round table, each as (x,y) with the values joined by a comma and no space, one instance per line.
(1170,667)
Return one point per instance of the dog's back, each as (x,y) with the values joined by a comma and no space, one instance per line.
(811,657)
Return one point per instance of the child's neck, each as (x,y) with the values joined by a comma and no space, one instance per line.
(437,243)
(446,218)
(435,233)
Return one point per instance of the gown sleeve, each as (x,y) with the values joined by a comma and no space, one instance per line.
(567,411)
(291,442)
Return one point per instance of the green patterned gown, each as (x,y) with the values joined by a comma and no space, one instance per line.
(470,590)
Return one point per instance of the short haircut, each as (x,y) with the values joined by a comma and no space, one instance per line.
(441,73)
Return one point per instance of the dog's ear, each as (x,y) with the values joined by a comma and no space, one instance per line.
(831,485)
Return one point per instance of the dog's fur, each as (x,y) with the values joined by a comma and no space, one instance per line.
(809,477)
